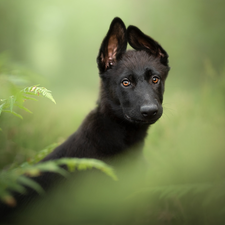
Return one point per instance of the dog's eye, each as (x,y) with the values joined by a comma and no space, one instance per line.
(155,80)
(126,83)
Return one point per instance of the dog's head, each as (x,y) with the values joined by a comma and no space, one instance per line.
(132,81)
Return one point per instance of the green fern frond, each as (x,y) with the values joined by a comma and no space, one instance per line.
(36,170)
(14,179)
(1,107)
(32,184)
(35,90)
(18,99)
(11,100)
(24,108)
(84,164)
(29,98)
(14,113)
(40,155)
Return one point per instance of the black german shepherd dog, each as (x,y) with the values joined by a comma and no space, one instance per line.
(131,96)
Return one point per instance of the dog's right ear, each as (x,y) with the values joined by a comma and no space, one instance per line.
(113,45)
(140,41)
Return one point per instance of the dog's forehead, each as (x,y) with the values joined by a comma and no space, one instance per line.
(138,61)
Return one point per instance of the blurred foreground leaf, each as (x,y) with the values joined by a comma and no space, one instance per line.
(14,180)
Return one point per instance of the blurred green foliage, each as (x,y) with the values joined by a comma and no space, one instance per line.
(185,149)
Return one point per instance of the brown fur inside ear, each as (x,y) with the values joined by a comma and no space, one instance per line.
(112,49)
(148,45)
(113,45)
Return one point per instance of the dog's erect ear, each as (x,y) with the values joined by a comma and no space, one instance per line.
(113,45)
(139,41)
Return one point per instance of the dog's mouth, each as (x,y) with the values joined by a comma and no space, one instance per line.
(153,120)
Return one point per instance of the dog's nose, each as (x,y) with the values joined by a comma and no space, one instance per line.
(149,110)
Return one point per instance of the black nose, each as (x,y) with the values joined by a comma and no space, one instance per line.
(149,110)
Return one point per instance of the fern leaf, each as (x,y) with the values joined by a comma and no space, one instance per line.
(24,108)
(29,98)
(49,96)
(10,182)
(11,100)
(83,164)
(14,179)
(35,90)
(50,166)
(30,183)
(1,107)
(40,155)
(37,169)
(14,113)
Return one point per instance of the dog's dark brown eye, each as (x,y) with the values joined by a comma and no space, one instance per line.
(126,83)
(155,80)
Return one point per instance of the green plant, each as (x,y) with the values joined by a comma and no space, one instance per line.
(23,95)
(16,177)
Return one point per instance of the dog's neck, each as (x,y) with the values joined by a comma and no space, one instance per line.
(111,135)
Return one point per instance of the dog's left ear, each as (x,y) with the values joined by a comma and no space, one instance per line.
(113,45)
(139,41)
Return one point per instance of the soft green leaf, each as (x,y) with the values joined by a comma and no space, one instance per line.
(24,108)
(33,172)
(29,98)
(11,184)
(49,96)
(20,97)
(83,164)
(30,183)
(1,107)
(14,113)
(51,166)
(12,100)
(40,155)
(35,90)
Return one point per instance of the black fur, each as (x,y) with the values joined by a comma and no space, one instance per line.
(123,114)
(131,96)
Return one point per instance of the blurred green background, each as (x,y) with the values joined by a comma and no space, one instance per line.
(55,43)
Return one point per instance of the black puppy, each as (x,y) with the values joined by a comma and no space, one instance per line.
(131,95)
